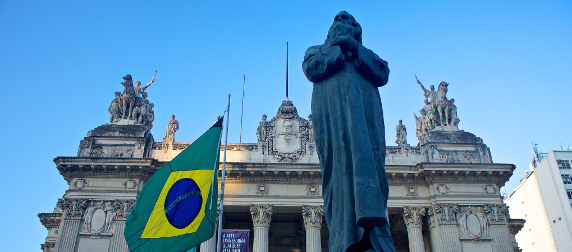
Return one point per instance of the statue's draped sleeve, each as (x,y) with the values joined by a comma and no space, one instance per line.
(320,64)
(372,67)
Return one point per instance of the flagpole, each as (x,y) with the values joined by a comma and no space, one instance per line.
(286,70)
(242,110)
(223,175)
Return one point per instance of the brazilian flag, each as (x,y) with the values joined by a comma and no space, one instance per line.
(176,209)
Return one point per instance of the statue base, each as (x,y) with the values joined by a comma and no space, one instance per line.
(117,141)
(439,146)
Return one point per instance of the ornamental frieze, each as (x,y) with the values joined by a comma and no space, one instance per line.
(445,213)
(122,208)
(496,213)
(73,208)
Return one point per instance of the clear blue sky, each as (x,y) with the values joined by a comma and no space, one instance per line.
(509,65)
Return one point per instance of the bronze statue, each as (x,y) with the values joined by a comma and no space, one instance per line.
(349,131)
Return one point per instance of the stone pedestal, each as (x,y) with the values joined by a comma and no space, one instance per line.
(413,220)
(117,141)
(313,223)
(261,215)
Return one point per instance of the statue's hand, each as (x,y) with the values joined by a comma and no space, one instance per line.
(346,43)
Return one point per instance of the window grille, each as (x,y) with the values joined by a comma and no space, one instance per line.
(567,179)
(564,164)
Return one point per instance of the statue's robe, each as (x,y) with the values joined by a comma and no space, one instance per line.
(350,141)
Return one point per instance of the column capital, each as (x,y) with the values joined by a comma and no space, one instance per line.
(446,213)
(496,213)
(123,208)
(261,215)
(73,208)
(413,216)
(312,216)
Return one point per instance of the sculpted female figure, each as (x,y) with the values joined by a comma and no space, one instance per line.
(348,128)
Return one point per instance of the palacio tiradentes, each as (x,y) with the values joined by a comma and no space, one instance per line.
(444,192)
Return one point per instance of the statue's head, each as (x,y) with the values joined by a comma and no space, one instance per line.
(426,101)
(138,83)
(344,25)
(173,117)
(452,101)
(264,117)
(117,94)
(432,87)
(400,122)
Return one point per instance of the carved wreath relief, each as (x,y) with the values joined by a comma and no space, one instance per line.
(411,191)
(312,190)
(262,189)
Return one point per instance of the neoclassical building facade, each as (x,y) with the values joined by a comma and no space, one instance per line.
(444,192)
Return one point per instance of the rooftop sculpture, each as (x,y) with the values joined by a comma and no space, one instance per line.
(438,113)
(132,106)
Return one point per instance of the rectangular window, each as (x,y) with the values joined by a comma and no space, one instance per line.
(569,192)
(564,164)
(567,179)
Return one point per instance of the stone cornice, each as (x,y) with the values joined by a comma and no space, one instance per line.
(50,220)
(396,174)
(282,171)
(72,167)
(481,172)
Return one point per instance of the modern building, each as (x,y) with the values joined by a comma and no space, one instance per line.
(543,199)
(444,192)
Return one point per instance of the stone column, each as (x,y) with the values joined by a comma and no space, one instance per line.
(210,244)
(261,215)
(497,217)
(69,228)
(413,220)
(313,223)
(447,227)
(122,209)
(434,234)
